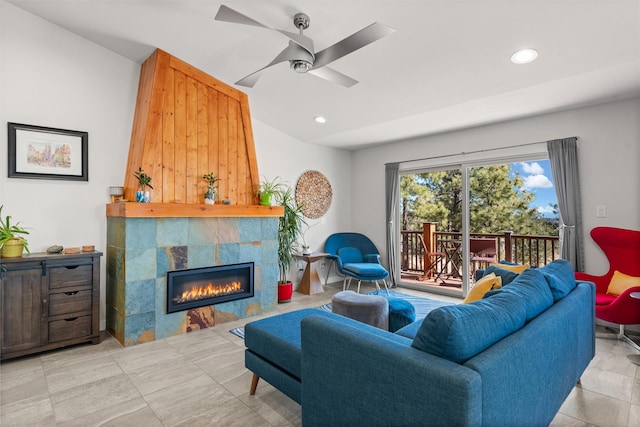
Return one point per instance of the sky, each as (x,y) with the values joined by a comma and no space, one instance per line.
(538,180)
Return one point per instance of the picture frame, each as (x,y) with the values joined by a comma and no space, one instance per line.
(40,152)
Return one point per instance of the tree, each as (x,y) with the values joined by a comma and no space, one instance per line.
(497,202)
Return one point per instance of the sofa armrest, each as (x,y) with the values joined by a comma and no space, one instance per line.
(355,374)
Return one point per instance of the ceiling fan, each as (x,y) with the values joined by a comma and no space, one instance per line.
(300,52)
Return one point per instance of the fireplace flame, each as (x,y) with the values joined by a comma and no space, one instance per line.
(209,291)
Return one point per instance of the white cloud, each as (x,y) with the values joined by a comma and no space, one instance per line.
(536,181)
(545,209)
(532,168)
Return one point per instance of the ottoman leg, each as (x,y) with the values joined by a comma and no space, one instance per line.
(254,384)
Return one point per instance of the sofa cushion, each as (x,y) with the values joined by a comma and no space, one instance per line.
(620,282)
(459,332)
(482,286)
(532,286)
(560,278)
(506,276)
(350,254)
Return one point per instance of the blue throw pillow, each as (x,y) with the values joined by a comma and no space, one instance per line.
(459,332)
(560,277)
(532,286)
(507,276)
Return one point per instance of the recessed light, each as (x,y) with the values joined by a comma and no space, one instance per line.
(524,56)
(320,119)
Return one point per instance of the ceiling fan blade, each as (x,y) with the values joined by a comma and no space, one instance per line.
(333,76)
(226,14)
(291,52)
(354,42)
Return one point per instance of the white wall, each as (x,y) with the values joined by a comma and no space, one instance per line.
(51,77)
(280,155)
(608,152)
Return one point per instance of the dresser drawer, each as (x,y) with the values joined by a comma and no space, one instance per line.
(70,302)
(74,327)
(64,277)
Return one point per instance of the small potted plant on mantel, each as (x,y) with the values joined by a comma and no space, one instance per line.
(144,181)
(11,243)
(210,195)
(269,190)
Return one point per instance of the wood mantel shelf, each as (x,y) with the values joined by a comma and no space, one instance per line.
(183,210)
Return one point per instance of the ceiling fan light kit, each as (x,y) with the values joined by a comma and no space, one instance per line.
(300,52)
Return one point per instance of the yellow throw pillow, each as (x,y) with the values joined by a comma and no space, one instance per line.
(515,268)
(621,282)
(482,286)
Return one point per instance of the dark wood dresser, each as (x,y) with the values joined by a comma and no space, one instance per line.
(48,301)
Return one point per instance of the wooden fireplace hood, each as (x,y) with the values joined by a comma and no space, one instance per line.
(188,124)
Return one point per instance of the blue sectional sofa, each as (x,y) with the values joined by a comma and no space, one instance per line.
(511,358)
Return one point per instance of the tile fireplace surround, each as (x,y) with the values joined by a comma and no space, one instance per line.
(140,251)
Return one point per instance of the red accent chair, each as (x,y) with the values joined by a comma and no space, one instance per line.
(622,249)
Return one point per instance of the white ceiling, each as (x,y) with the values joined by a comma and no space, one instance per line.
(446,67)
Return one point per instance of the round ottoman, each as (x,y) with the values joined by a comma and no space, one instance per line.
(370,309)
(401,313)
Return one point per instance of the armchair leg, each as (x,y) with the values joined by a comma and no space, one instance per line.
(359,281)
(620,336)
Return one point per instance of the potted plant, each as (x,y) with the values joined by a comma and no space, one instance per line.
(269,189)
(289,230)
(144,181)
(11,243)
(210,195)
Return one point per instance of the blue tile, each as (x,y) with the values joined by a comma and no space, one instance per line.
(250,252)
(229,253)
(250,229)
(269,251)
(141,233)
(172,231)
(269,229)
(140,264)
(201,256)
(140,297)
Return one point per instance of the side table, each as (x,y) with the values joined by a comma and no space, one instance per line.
(634,358)
(310,283)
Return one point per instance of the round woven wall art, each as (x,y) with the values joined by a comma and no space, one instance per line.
(313,193)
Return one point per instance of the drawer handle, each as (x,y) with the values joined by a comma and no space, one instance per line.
(71,320)
(70,267)
(71,293)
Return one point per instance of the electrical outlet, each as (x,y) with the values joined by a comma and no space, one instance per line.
(601,211)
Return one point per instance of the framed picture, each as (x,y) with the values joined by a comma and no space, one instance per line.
(47,153)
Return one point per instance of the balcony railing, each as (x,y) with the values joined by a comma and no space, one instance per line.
(520,249)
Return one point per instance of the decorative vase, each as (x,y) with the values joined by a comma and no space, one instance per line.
(209,197)
(265,199)
(12,248)
(143,196)
(285,291)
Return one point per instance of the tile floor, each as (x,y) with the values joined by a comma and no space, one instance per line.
(199,379)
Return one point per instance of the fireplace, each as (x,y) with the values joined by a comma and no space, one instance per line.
(199,287)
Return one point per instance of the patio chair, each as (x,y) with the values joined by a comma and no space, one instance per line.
(482,251)
(622,249)
(357,257)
